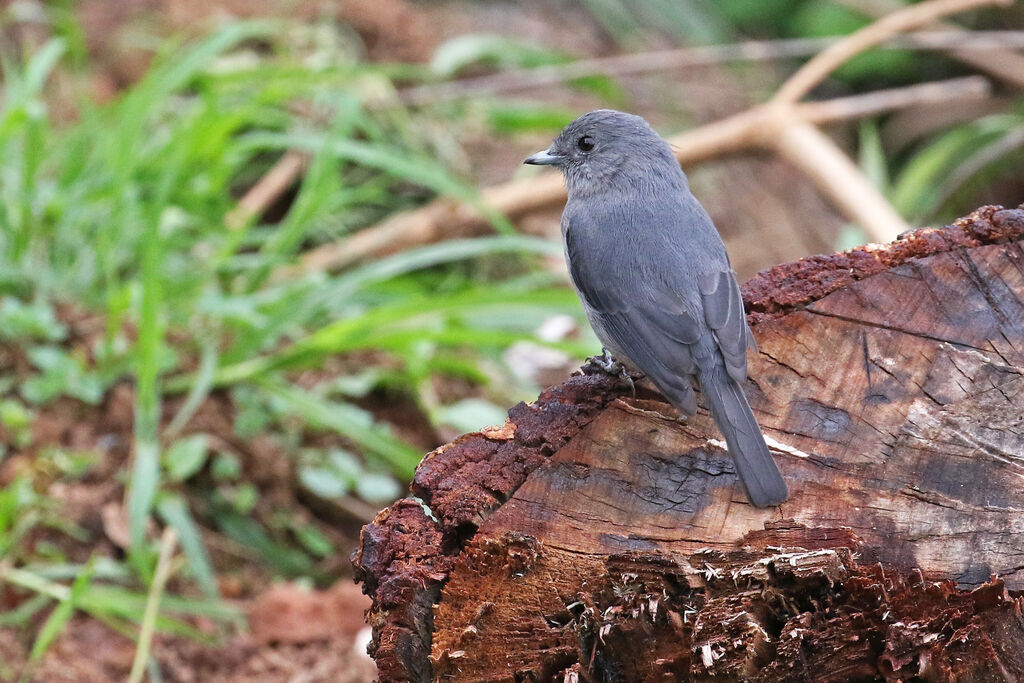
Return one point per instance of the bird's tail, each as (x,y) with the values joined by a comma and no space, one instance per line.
(754,463)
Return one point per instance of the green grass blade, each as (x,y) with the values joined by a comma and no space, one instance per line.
(201,386)
(319,184)
(872,155)
(24,613)
(438,254)
(22,88)
(396,162)
(175,512)
(142,487)
(145,477)
(915,191)
(247,532)
(352,423)
(63,612)
(356,332)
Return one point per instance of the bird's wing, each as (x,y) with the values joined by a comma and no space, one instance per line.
(724,314)
(647,321)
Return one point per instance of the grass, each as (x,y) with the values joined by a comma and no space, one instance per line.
(122,216)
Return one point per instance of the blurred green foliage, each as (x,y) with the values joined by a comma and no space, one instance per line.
(123,215)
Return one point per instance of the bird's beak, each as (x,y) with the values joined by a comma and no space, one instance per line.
(545,158)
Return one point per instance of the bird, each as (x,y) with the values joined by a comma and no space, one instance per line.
(655,282)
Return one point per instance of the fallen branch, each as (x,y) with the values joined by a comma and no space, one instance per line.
(1005,64)
(907,19)
(883,101)
(445,218)
(760,127)
(821,160)
(687,57)
(268,189)
(809,150)
(284,173)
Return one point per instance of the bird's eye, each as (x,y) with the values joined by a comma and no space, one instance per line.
(585,143)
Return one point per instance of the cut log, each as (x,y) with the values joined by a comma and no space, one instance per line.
(594,537)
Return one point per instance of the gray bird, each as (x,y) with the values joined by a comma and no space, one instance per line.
(654,279)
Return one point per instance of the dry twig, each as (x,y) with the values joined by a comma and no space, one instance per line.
(826,164)
(445,218)
(270,187)
(907,19)
(1004,63)
(704,55)
(156,592)
(963,89)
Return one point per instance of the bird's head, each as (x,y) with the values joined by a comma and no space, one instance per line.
(607,148)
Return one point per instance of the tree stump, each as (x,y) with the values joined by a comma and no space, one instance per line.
(594,537)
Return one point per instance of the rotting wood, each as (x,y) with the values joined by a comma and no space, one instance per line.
(593,537)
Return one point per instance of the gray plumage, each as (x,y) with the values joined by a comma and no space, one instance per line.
(654,278)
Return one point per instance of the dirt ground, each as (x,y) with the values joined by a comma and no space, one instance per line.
(295,635)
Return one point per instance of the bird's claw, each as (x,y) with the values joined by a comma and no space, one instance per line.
(609,365)
(606,362)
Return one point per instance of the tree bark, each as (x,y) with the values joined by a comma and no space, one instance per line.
(594,537)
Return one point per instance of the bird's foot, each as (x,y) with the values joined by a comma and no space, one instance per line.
(606,362)
(610,366)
